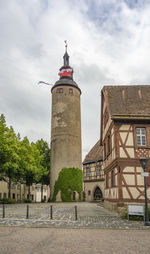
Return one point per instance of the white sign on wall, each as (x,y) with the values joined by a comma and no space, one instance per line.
(145,174)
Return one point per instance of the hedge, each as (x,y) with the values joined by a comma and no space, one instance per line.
(69,180)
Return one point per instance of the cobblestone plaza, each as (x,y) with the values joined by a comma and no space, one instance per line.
(89,215)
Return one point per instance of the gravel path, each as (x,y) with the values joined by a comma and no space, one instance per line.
(14,240)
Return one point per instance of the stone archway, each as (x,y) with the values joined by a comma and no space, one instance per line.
(97,193)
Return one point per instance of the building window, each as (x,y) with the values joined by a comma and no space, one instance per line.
(4,195)
(13,186)
(70,91)
(87,171)
(109,144)
(13,196)
(89,192)
(107,181)
(112,178)
(141,136)
(18,186)
(104,150)
(97,170)
(59,90)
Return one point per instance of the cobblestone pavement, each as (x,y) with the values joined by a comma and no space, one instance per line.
(89,215)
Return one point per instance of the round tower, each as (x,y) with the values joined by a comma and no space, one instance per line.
(65,123)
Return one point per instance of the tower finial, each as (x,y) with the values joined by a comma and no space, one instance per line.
(66,45)
(66,56)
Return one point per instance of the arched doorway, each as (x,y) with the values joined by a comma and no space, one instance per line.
(97,193)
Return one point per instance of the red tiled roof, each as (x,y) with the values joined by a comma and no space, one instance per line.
(128,100)
(95,154)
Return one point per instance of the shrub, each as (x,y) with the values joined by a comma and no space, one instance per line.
(69,180)
(7,201)
(27,200)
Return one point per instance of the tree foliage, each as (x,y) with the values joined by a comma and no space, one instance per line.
(20,160)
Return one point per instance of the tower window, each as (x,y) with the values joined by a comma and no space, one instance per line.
(59,90)
(70,91)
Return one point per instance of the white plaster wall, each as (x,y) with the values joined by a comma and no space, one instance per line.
(125,193)
(124,127)
(140,180)
(130,179)
(129,169)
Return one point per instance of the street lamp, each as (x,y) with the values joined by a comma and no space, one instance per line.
(143,162)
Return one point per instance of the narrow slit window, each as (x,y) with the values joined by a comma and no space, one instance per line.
(70,91)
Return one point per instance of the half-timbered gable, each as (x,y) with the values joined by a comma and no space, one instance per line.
(125,136)
(93,174)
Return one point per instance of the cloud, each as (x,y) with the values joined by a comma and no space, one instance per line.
(108,43)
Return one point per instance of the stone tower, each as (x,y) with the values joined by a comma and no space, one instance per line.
(65,123)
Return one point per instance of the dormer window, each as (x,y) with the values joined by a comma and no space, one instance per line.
(141,136)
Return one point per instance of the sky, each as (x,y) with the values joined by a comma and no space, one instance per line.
(108,44)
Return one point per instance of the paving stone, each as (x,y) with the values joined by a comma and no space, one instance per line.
(90,215)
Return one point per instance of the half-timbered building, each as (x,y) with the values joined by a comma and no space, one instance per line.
(125,137)
(93,174)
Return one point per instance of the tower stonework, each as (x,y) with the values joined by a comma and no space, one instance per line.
(65,124)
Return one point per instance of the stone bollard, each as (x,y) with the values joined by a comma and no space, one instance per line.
(76,217)
(27,216)
(51,212)
(3,211)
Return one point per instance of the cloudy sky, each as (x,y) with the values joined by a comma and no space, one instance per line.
(108,43)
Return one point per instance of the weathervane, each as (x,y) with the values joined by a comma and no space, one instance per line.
(42,82)
(66,45)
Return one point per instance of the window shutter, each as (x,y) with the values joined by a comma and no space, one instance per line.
(148,135)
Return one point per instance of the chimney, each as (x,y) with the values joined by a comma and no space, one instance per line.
(140,94)
(123,94)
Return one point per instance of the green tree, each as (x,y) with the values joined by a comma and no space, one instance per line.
(44,173)
(9,153)
(29,163)
(21,161)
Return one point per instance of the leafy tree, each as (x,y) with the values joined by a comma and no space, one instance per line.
(9,153)
(29,163)
(44,173)
(21,161)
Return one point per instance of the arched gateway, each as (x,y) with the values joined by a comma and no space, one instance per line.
(98,193)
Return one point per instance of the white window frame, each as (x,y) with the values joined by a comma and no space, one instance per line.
(141,137)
